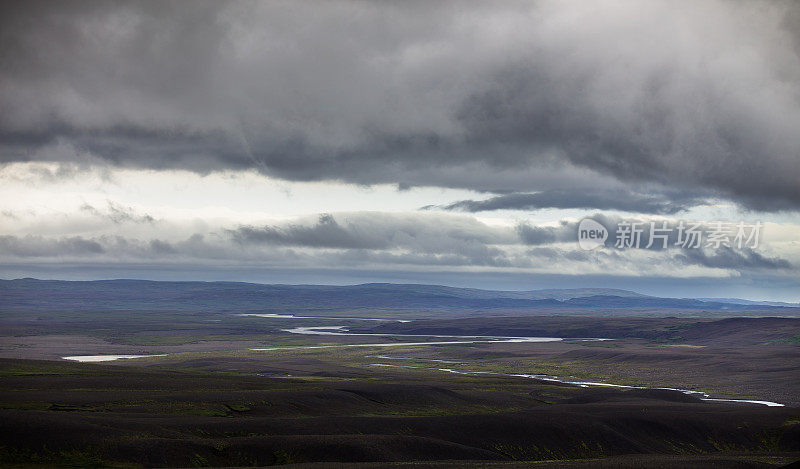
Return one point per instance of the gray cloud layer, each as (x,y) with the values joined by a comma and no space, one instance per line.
(658,203)
(728,258)
(368,239)
(117,213)
(701,97)
(417,239)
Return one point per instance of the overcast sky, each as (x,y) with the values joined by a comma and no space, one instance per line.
(453,143)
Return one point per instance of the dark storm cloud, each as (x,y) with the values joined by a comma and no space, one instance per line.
(737,250)
(325,233)
(536,235)
(37,246)
(107,248)
(703,98)
(117,213)
(665,204)
(559,255)
(381,240)
(566,231)
(420,235)
(360,239)
(728,258)
(741,260)
(162,247)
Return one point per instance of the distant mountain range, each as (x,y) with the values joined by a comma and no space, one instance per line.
(31,295)
(739,301)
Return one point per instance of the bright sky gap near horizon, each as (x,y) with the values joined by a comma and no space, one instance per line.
(453,143)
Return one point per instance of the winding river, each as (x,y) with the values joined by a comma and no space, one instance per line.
(699,394)
(342,331)
(450,339)
(471,339)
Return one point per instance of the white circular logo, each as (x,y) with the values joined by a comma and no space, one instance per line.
(591,234)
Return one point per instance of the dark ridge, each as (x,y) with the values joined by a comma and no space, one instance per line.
(32,295)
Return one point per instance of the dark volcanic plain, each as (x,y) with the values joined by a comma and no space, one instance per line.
(212,401)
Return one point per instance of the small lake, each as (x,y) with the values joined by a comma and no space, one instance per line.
(106,358)
(292,316)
